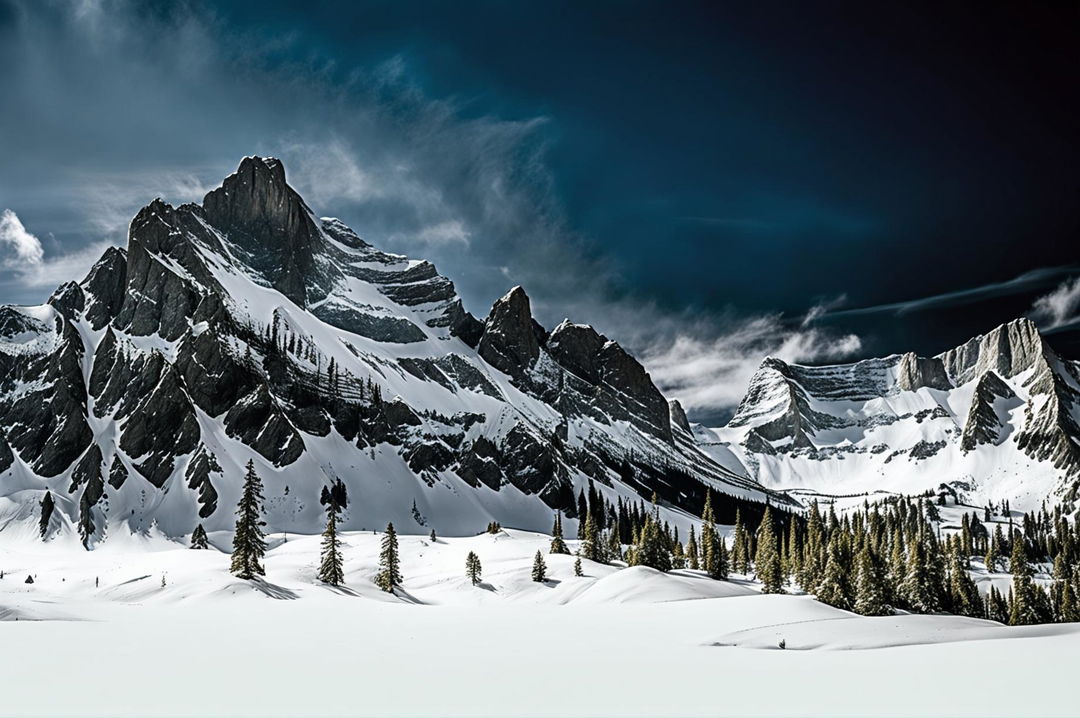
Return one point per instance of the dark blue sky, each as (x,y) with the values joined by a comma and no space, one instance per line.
(695,167)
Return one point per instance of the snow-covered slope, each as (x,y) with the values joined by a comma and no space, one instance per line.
(249,329)
(994,419)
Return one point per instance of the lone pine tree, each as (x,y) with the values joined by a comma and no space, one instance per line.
(389,574)
(539,568)
(249,545)
(47,507)
(331,566)
(473,569)
(199,539)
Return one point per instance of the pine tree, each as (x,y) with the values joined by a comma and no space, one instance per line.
(1023,602)
(918,588)
(47,507)
(650,549)
(613,552)
(539,568)
(870,594)
(714,554)
(993,551)
(558,545)
(740,554)
(692,551)
(582,512)
(833,587)
(249,545)
(963,593)
(331,568)
(997,609)
(678,557)
(1067,611)
(389,574)
(473,569)
(577,567)
(591,548)
(199,539)
(767,557)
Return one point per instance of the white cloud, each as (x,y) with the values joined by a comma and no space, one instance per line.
(14,238)
(26,257)
(708,369)
(1059,307)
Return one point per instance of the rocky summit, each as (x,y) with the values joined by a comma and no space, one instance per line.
(248,328)
(992,420)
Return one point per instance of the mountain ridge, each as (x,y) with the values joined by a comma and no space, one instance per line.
(1006,393)
(247,328)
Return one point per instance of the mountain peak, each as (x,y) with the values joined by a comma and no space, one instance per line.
(1007,349)
(267,219)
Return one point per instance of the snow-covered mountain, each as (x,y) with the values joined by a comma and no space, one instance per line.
(248,328)
(994,419)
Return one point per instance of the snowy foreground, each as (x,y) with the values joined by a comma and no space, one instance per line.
(618,641)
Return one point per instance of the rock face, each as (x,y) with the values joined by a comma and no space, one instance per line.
(984,423)
(510,341)
(1001,405)
(248,329)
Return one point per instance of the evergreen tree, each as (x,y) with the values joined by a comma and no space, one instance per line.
(833,587)
(1023,601)
(591,548)
(870,593)
(692,551)
(473,569)
(767,557)
(558,545)
(812,563)
(577,567)
(1067,609)
(582,512)
(993,551)
(740,554)
(249,545)
(963,593)
(918,588)
(678,556)
(714,555)
(331,567)
(389,574)
(199,539)
(47,507)
(997,609)
(650,549)
(539,568)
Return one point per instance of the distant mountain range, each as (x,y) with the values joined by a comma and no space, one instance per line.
(993,419)
(247,328)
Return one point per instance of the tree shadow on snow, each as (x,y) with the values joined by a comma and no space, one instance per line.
(273,591)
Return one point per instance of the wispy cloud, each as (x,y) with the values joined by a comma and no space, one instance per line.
(709,367)
(1026,282)
(1059,308)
